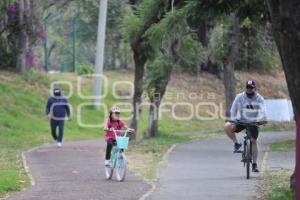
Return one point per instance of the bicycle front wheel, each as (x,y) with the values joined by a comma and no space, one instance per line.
(247,158)
(121,166)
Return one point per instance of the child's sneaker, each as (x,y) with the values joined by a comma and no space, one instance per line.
(106,163)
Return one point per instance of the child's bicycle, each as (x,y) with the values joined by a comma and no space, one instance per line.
(117,159)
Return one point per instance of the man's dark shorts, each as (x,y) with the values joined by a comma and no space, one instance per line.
(253,130)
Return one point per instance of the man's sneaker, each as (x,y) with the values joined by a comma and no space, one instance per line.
(106,163)
(255,168)
(237,147)
(55,141)
(59,144)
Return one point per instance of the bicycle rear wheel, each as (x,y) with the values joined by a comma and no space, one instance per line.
(121,167)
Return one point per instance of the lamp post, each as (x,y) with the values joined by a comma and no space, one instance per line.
(100,53)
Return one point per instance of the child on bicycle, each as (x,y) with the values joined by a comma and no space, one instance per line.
(113,122)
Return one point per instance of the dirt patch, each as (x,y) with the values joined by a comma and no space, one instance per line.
(270,85)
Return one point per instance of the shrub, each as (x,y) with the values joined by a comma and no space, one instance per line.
(85,69)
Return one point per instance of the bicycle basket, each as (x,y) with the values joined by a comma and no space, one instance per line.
(122,142)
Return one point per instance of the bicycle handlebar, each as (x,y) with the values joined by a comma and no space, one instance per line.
(245,123)
(123,131)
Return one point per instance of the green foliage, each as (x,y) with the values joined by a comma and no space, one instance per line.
(85,69)
(171,26)
(277,185)
(219,43)
(157,70)
(283,193)
(131,26)
(192,54)
(246,23)
(268,58)
(150,8)
(134,22)
(256,50)
(34,76)
(8,35)
(256,10)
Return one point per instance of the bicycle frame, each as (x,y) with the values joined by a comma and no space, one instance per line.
(114,155)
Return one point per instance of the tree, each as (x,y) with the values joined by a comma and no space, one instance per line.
(171,45)
(144,15)
(224,44)
(23,37)
(229,80)
(285,21)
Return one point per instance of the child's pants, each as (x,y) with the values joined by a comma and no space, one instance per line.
(109,146)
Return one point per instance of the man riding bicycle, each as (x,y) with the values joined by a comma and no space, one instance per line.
(248,106)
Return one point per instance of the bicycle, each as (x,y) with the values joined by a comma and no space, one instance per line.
(118,159)
(247,144)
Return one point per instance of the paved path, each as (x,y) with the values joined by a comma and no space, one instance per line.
(286,160)
(75,172)
(207,169)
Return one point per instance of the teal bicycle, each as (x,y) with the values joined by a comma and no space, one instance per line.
(118,160)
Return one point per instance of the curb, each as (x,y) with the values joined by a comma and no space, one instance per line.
(26,167)
(265,160)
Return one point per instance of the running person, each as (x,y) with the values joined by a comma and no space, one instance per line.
(113,122)
(248,106)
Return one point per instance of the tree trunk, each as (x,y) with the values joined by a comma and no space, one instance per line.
(140,61)
(229,80)
(124,56)
(153,118)
(160,89)
(155,100)
(285,20)
(22,38)
(293,181)
(114,52)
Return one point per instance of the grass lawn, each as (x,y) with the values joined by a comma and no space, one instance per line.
(287,145)
(277,183)
(279,126)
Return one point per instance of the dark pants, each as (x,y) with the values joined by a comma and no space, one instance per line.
(60,124)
